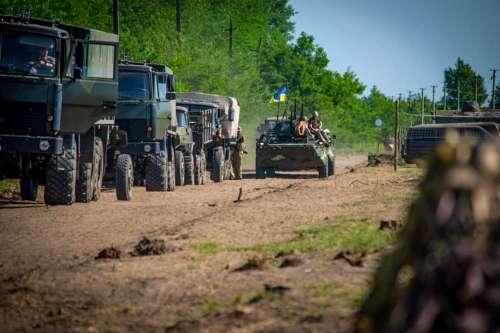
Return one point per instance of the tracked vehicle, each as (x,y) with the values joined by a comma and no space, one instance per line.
(56,81)
(281,149)
(214,123)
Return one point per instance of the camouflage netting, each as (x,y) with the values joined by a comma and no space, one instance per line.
(444,276)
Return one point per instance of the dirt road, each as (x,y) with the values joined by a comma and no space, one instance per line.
(262,264)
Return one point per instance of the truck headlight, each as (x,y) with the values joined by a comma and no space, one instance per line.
(44,145)
(147,148)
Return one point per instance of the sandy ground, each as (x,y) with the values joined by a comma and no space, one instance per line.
(50,281)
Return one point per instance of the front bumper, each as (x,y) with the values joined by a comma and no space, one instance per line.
(140,148)
(46,145)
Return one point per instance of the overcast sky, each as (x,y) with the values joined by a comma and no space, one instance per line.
(402,45)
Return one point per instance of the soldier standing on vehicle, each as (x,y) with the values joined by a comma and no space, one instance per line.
(238,154)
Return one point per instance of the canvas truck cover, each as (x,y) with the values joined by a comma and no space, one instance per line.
(226,105)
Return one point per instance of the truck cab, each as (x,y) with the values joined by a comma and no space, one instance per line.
(56,81)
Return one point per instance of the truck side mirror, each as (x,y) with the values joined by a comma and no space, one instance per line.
(231,114)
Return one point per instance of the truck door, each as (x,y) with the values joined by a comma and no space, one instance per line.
(166,107)
(90,86)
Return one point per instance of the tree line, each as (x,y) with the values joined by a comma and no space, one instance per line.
(246,49)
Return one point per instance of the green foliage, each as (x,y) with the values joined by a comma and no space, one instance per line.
(464,75)
(207,248)
(264,57)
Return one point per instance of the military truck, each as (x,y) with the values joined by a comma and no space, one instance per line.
(146,112)
(281,149)
(472,123)
(215,124)
(56,81)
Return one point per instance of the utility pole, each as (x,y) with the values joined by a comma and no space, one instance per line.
(434,100)
(422,106)
(231,30)
(493,90)
(116,17)
(458,96)
(444,91)
(178,15)
(396,134)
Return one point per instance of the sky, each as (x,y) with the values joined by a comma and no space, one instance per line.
(404,45)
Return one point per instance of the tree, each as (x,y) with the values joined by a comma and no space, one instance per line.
(464,76)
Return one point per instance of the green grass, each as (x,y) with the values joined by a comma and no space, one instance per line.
(351,296)
(211,306)
(256,296)
(348,234)
(9,185)
(351,236)
(207,248)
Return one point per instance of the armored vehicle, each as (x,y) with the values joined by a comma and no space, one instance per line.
(422,139)
(56,81)
(214,121)
(281,149)
(146,112)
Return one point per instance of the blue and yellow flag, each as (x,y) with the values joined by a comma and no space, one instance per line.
(279,96)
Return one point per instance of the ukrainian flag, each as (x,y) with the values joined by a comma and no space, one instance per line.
(279,96)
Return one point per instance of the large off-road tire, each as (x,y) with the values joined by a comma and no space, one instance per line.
(29,189)
(218,168)
(171,176)
(331,165)
(171,171)
(156,173)
(124,177)
(197,170)
(189,167)
(179,169)
(323,170)
(60,178)
(98,170)
(83,190)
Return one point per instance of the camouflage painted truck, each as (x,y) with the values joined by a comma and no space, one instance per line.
(56,81)
(281,149)
(214,122)
(147,113)
(472,122)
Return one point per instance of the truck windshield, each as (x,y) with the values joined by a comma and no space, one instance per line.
(27,54)
(133,85)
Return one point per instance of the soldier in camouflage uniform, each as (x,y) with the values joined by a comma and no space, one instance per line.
(238,155)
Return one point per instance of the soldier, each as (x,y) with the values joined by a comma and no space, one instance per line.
(316,127)
(238,154)
(44,65)
(302,126)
